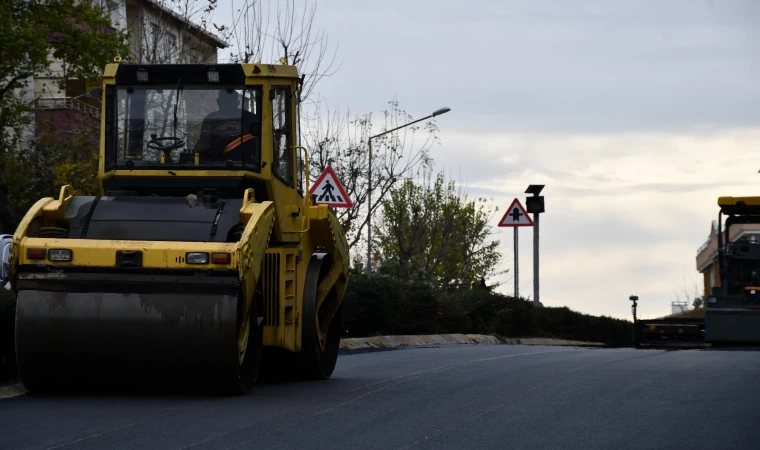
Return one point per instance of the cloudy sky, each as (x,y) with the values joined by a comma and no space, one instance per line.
(636,115)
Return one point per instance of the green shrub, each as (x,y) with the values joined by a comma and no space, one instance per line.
(385,306)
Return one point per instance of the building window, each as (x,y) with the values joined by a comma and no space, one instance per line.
(170,48)
(154,37)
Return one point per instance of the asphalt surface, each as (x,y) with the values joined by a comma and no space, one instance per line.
(458,397)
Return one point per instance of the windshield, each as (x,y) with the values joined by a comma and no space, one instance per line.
(169,127)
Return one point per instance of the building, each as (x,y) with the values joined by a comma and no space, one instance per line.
(707,255)
(159,35)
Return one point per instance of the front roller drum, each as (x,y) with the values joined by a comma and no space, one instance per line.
(105,340)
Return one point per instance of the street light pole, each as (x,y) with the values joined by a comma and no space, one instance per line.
(634,299)
(369,183)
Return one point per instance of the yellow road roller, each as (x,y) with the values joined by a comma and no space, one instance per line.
(204,253)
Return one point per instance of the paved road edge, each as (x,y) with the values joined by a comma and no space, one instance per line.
(438,339)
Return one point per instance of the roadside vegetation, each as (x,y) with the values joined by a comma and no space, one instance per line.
(384,305)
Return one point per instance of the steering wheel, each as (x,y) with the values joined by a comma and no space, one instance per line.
(155,144)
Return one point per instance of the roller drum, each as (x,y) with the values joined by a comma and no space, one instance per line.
(107,338)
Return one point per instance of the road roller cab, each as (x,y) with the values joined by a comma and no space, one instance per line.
(202,249)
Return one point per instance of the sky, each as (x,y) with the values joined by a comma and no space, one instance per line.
(635,115)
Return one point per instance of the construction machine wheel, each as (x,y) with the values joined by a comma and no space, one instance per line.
(110,340)
(320,340)
(250,348)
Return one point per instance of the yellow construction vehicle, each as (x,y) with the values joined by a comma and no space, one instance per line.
(732,313)
(203,249)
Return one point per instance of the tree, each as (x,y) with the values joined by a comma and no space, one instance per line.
(339,140)
(77,37)
(431,232)
(259,34)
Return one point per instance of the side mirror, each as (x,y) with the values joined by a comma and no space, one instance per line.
(97,93)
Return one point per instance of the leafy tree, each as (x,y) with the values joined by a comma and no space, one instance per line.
(65,39)
(428,231)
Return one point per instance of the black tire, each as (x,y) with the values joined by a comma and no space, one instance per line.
(316,364)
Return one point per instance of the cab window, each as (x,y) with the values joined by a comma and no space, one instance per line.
(166,126)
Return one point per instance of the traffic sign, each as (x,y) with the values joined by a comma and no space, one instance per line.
(327,190)
(515,216)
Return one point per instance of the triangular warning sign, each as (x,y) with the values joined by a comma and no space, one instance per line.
(327,190)
(516,216)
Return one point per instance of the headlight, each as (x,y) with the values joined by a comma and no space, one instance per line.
(59,254)
(197,258)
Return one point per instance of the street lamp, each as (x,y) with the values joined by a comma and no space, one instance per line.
(634,299)
(437,112)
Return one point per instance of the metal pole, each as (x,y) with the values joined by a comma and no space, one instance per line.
(535,258)
(369,212)
(517,268)
(369,183)
(634,333)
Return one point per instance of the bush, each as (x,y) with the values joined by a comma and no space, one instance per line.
(381,306)
(7,341)
(385,306)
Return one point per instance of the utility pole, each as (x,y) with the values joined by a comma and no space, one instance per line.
(535,205)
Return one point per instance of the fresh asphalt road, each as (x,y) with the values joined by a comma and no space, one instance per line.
(458,397)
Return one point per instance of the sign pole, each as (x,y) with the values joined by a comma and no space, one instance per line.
(535,258)
(515,216)
(536,206)
(517,267)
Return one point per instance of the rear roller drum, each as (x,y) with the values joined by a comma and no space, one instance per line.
(320,343)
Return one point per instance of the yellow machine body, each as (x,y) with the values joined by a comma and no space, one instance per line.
(275,268)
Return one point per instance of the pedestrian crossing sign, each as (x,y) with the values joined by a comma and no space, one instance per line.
(515,216)
(327,190)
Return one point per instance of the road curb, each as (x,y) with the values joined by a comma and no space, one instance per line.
(13,390)
(443,339)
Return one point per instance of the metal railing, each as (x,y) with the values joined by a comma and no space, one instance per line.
(47,103)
